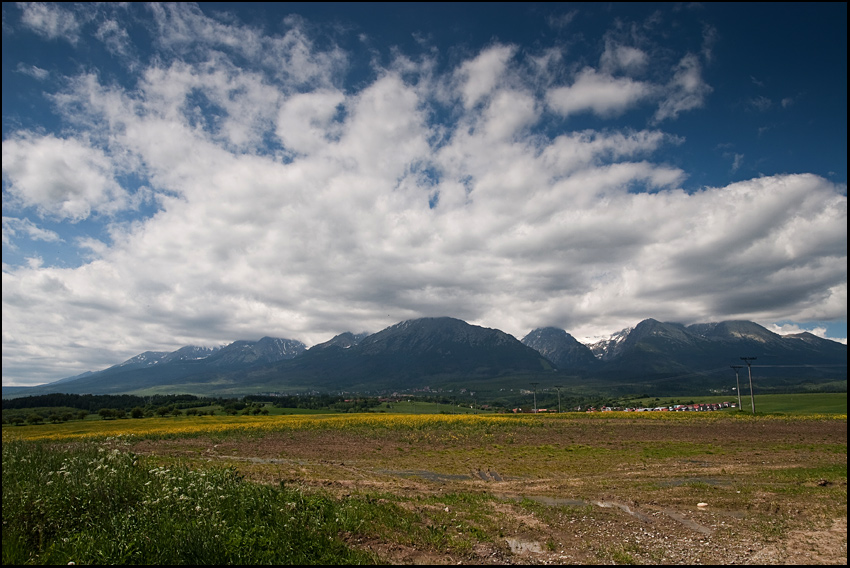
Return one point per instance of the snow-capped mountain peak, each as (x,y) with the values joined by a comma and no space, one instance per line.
(609,347)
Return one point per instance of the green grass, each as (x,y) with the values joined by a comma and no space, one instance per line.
(406,407)
(808,403)
(100,504)
(801,403)
(681,450)
(97,506)
(810,475)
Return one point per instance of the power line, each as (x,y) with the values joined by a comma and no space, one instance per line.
(815,365)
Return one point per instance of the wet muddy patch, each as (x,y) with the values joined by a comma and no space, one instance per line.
(519,546)
(426,475)
(544,500)
(475,475)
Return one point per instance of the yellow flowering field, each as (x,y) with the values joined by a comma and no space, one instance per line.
(212,425)
(221,425)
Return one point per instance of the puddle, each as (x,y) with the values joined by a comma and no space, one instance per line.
(523,546)
(279,461)
(488,475)
(676,516)
(556,502)
(623,507)
(551,501)
(425,474)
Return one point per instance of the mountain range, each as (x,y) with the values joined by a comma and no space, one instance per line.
(672,357)
(446,353)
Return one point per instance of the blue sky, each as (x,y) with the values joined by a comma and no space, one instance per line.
(196,174)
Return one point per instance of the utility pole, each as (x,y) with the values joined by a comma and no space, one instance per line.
(534,385)
(737,383)
(558,388)
(750,373)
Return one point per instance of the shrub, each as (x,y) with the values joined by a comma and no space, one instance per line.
(35,418)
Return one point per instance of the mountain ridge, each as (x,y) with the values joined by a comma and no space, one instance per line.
(417,353)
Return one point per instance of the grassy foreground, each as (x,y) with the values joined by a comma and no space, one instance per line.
(90,505)
(369,488)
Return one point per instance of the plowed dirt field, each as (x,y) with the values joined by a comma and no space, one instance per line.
(571,491)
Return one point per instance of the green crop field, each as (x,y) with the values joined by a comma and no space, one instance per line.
(804,403)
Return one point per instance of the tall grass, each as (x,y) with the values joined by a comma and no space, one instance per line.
(92,505)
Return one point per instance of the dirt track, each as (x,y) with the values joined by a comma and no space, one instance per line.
(578,491)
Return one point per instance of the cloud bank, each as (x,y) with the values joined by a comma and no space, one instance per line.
(290,204)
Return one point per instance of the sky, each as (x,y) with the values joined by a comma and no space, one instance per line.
(179,174)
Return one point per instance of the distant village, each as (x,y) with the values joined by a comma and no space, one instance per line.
(706,407)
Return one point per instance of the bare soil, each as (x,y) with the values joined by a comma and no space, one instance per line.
(621,491)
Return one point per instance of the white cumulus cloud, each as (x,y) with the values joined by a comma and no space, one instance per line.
(61,177)
(291,206)
(50,20)
(600,93)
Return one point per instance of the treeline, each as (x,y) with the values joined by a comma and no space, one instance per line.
(94,402)
(58,407)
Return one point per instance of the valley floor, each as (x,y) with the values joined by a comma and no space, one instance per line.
(562,490)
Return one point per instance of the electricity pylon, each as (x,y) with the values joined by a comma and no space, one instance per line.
(738,383)
(748,360)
